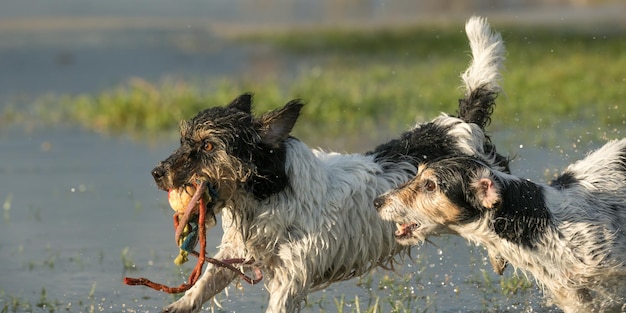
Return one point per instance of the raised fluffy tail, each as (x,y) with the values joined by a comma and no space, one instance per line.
(481,79)
(603,169)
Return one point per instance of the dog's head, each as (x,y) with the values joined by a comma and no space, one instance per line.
(443,194)
(231,150)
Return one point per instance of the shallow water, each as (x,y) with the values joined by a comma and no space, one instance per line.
(78,206)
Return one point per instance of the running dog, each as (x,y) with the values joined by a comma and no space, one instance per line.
(305,217)
(570,235)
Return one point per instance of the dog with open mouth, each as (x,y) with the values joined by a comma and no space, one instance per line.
(305,217)
(569,234)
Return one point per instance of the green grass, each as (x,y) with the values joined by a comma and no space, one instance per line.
(389,78)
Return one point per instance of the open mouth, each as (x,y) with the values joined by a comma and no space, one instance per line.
(187,202)
(405,230)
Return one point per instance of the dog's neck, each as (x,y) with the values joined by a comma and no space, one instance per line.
(523,216)
(269,177)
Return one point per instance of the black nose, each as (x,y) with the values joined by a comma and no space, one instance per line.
(158,172)
(379,202)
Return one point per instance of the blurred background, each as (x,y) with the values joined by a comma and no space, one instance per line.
(72,46)
(91,93)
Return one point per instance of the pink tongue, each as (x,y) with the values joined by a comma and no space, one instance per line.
(191,208)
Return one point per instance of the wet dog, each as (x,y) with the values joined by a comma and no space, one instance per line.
(570,235)
(305,217)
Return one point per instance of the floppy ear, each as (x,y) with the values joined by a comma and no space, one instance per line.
(487,193)
(275,126)
(242,103)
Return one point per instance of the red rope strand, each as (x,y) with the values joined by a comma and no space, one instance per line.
(197,271)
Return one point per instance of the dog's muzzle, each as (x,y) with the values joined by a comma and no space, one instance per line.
(159,173)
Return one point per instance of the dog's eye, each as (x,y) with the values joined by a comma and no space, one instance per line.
(208,146)
(430,185)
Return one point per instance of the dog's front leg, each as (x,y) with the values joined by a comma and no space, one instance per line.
(212,282)
(572,300)
(287,287)
(286,298)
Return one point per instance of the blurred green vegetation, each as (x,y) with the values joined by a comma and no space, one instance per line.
(389,78)
(552,75)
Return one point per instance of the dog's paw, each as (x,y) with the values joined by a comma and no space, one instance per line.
(186,304)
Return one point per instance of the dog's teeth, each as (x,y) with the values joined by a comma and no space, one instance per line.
(403,230)
(399,228)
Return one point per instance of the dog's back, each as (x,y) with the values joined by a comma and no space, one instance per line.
(593,219)
(600,176)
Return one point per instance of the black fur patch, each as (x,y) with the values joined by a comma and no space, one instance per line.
(564,181)
(522,217)
(425,143)
(271,176)
(429,142)
(477,107)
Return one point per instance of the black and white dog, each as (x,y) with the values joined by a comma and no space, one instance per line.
(305,217)
(570,235)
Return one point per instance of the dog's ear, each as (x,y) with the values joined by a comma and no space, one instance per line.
(487,193)
(242,103)
(275,126)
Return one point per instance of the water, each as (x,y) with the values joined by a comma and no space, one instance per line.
(77,206)
(64,62)
(72,202)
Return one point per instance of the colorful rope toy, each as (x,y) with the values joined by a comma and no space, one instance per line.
(192,203)
(188,240)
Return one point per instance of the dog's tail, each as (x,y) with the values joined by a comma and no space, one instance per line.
(604,169)
(481,79)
